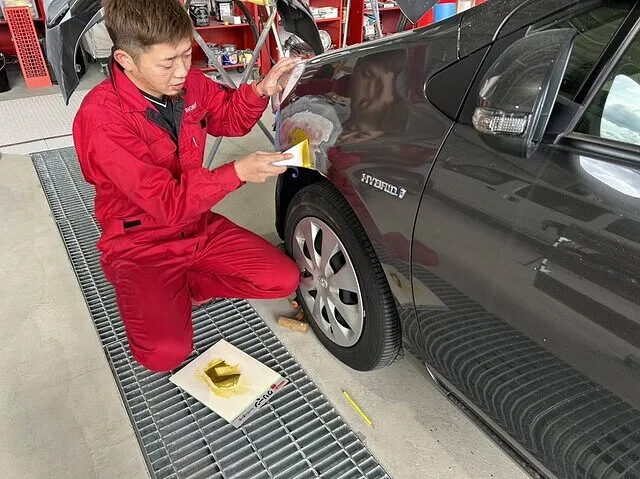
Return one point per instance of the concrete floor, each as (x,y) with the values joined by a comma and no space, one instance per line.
(62,416)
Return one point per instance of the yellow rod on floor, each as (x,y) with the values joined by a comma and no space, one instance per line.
(357,408)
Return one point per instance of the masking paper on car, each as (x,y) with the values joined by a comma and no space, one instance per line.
(311,119)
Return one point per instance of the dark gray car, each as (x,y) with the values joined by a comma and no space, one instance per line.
(476,201)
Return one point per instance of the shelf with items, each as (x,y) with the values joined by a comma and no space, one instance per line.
(206,68)
(386,9)
(361,25)
(389,18)
(328,16)
(229,46)
(222,24)
(326,20)
(217,26)
(230,60)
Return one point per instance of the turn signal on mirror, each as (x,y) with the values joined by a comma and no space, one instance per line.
(498,122)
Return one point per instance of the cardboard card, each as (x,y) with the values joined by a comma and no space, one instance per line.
(229,382)
(301,156)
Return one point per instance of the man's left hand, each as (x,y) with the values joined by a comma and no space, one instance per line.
(271,83)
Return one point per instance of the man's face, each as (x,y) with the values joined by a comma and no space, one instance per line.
(372,90)
(160,70)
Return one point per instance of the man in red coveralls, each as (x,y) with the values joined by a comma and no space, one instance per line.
(140,138)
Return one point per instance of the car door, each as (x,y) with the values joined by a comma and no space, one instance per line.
(538,272)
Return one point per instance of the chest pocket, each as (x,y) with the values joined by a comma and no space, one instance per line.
(194,137)
(163,150)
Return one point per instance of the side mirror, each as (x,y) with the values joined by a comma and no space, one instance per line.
(518,92)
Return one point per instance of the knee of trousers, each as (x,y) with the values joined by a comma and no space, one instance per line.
(291,278)
(285,280)
(167,354)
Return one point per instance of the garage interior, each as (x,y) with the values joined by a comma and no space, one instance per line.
(69,399)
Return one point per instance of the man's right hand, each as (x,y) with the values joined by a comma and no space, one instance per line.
(257,167)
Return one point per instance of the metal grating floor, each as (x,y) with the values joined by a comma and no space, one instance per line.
(297,435)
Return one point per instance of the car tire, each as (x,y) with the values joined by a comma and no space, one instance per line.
(376,341)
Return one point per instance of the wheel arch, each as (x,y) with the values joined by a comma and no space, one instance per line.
(287,185)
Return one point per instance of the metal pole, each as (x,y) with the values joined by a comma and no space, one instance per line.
(346,24)
(245,77)
(209,54)
(376,17)
(402,23)
(213,59)
(229,81)
(261,40)
(214,149)
(274,27)
(267,132)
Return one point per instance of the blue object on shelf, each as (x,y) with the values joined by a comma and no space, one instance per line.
(442,11)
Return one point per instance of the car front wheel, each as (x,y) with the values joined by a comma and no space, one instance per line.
(343,289)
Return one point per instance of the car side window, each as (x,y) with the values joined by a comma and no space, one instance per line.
(595,29)
(614,113)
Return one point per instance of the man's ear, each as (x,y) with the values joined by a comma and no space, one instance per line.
(124,59)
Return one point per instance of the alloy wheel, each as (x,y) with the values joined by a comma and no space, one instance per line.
(329,283)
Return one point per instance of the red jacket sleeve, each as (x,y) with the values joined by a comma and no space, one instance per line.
(233,112)
(116,155)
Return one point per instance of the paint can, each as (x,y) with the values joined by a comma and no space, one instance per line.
(224,10)
(245,56)
(217,52)
(229,55)
(199,13)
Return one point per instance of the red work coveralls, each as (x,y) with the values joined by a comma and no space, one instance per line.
(161,245)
